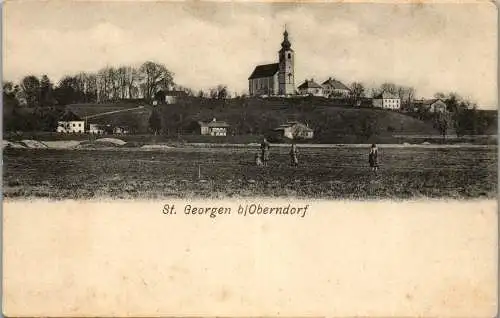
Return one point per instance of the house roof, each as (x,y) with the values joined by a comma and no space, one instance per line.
(309,84)
(291,124)
(427,102)
(385,95)
(333,83)
(265,70)
(214,124)
(70,116)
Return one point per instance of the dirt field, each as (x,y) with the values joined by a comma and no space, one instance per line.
(219,173)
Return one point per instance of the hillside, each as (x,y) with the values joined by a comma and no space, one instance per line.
(253,116)
(331,123)
(121,114)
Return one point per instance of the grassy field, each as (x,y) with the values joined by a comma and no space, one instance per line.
(220,173)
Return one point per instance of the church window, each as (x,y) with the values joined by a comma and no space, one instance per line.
(289,55)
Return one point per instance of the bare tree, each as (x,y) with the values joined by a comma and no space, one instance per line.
(389,88)
(154,76)
(357,90)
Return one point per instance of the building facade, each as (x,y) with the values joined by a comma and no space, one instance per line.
(70,123)
(334,88)
(277,78)
(295,130)
(213,128)
(310,87)
(386,100)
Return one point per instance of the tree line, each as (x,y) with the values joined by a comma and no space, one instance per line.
(106,85)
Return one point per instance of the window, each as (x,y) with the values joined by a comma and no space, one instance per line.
(289,55)
(73,124)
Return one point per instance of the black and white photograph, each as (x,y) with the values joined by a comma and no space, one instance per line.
(250,159)
(225,99)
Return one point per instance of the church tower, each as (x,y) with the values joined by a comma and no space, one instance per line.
(286,73)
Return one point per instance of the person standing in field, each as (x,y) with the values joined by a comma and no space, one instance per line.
(264,147)
(294,155)
(373,158)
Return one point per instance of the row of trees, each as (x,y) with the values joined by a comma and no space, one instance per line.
(106,85)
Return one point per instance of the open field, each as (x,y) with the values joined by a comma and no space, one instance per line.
(337,173)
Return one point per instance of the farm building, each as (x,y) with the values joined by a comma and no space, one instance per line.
(70,123)
(120,130)
(213,128)
(335,88)
(97,129)
(310,87)
(387,100)
(168,97)
(295,130)
(430,105)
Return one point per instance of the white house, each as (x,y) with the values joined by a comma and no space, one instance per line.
(386,100)
(213,128)
(96,129)
(70,123)
(310,87)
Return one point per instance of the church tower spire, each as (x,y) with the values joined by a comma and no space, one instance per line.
(285,45)
(286,73)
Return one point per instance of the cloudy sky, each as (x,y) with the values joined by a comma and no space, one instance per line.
(432,47)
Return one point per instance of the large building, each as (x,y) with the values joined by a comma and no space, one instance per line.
(335,88)
(70,123)
(310,87)
(277,78)
(387,100)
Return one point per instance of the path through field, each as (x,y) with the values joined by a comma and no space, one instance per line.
(225,172)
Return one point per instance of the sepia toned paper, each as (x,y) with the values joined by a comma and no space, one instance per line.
(108,245)
(372,259)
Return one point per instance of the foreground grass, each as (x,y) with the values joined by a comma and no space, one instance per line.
(223,173)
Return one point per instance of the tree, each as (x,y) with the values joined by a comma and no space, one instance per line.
(222,92)
(357,90)
(66,91)
(155,122)
(154,77)
(46,92)
(389,88)
(442,122)
(30,88)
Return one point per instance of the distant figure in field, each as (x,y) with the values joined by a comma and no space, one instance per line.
(294,155)
(373,158)
(258,160)
(264,147)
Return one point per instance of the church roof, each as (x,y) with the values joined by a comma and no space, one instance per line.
(333,83)
(265,70)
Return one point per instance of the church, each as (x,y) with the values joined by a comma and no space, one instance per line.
(277,78)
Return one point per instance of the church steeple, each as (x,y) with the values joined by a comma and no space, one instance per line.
(285,45)
(286,76)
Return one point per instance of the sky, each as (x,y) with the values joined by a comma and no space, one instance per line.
(431,47)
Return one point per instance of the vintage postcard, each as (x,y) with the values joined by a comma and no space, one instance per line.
(244,159)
